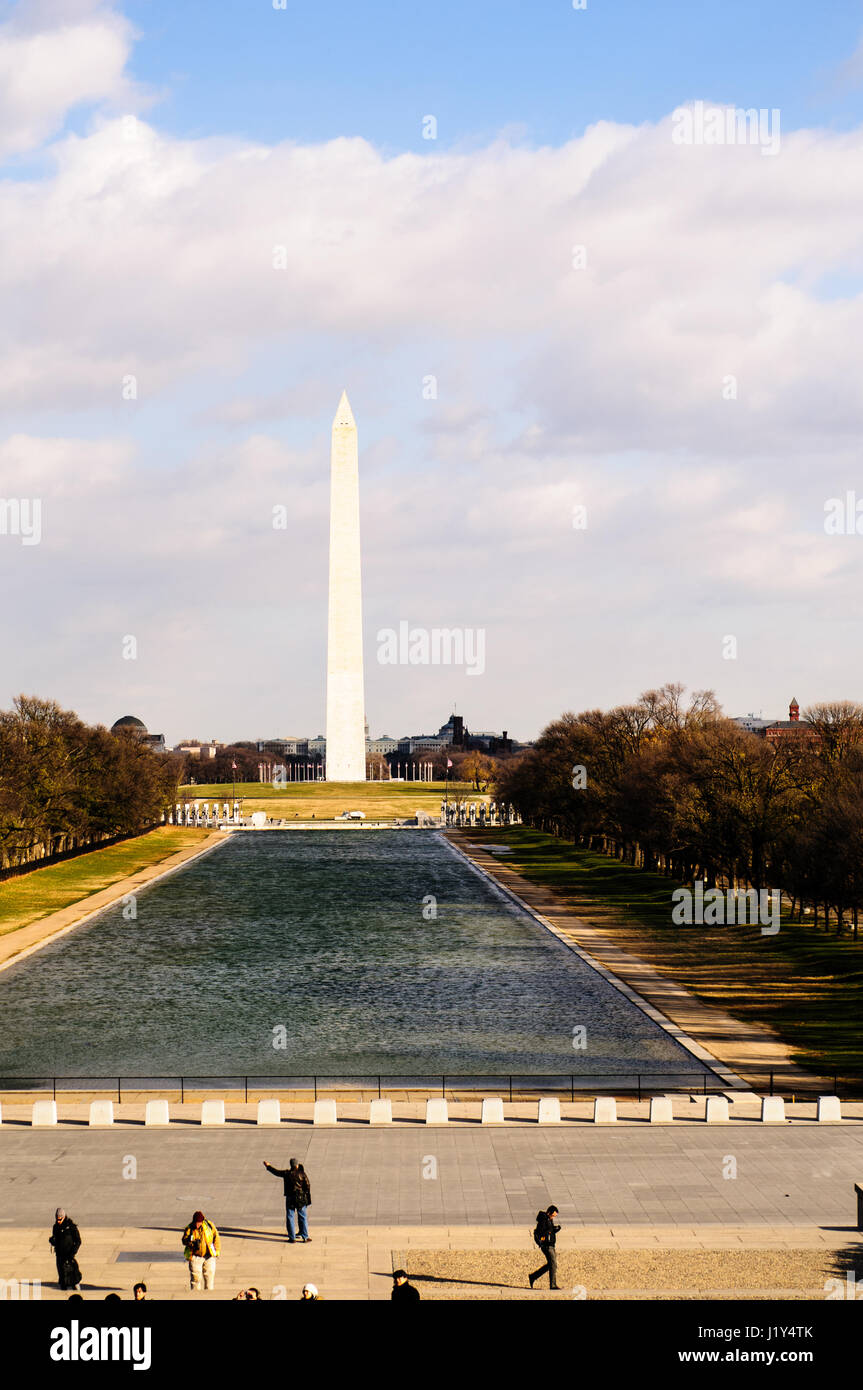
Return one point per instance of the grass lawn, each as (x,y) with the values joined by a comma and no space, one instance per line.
(806,986)
(33,895)
(326,800)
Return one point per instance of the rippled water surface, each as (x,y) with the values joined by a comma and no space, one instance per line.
(322,935)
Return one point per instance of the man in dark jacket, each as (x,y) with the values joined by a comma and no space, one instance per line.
(545,1236)
(298,1196)
(66,1240)
(403,1292)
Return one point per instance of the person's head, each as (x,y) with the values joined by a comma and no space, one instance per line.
(254,1295)
(59,1215)
(139,1293)
(292,1162)
(75,1298)
(113,1298)
(309,1291)
(551,1211)
(198,1218)
(400,1276)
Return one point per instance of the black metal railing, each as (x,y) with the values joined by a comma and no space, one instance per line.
(515,1085)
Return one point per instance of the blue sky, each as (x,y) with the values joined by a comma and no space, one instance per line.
(144,244)
(322,68)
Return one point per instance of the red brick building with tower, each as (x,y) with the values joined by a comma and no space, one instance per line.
(793,727)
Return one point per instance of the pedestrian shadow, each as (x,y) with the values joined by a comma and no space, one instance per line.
(441,1279)
(102,1288)
(254,1235)
(244,1232)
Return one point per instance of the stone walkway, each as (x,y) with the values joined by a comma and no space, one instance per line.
(487,1262)
(642,1207)
(798,1174)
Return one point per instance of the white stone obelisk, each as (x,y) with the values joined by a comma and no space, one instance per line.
(346,735)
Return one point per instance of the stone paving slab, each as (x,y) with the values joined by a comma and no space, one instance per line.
(655,1176)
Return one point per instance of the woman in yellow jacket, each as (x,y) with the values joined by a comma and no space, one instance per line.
(202,1248)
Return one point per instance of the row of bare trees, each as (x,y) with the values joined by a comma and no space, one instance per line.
(670,784)
(65,785)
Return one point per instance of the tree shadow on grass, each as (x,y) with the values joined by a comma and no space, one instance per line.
(848,1259)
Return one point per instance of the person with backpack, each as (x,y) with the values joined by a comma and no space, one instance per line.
(545,1236)
(298,1196)
(66,1240)
(202,1247)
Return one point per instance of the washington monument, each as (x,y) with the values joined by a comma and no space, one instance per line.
(346,717)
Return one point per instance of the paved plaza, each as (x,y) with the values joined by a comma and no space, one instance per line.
(380,1194)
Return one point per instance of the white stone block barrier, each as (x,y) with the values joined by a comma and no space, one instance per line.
(829,1109)
(325,1112)
(605,1110)
(437,1112)
(44,1112)
(269,1112)
(212,1112)
(661,1111)
(156,1112)
(716,1110)
(548,1111)
(773,1110)
(101,1112)
(380,1112)
(492,1111)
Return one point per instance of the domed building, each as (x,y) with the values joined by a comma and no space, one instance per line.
(131,724)
(129,721)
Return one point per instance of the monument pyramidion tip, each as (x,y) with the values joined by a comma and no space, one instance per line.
(344,414)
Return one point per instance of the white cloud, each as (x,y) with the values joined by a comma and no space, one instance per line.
(54,58)
(140,253)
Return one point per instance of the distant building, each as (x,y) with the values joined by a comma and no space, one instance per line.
(129,723)
(383,745)
(422,743)
(752,723)
(791,728)
(296,747)
(453,731)
(196,749)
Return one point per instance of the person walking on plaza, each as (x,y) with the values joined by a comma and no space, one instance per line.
(545,1235)
(66,1240)
(298,1197)
(403,1292)
(202,1249)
